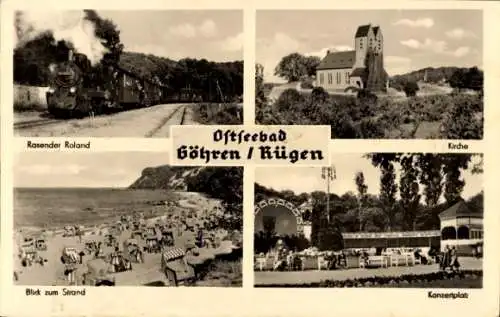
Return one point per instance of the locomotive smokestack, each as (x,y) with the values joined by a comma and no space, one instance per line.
(70,55)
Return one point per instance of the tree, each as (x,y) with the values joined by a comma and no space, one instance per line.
(463,78)
(388,190)
(409,191)
(431,177)
(362,190)
(474,79)
(458,79)
(453,164)
(318,215)
(329,237)
(310,63)
(292,67)
(259,84)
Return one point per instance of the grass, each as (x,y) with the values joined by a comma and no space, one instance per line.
(225,273)
(212,114)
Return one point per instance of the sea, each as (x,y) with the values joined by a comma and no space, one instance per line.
(51,208)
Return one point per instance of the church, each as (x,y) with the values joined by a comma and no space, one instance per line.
(341,70)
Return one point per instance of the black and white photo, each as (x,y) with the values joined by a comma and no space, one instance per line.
(372,74)
(408,220)
(137,222)
(97,73)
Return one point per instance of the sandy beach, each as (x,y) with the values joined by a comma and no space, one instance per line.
(148,272)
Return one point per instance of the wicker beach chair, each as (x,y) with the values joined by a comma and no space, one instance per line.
(176,268)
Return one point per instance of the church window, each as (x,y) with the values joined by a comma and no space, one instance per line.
(347,77)
(338,78)
(361,44)
(330,79)
(321,79)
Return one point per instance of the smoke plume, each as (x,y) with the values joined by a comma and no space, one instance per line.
(68,26)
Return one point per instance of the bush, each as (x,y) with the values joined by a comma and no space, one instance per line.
(289,99)
(431,279)
(410,89)
(228,114)
(319,95)
(465,120)
(370,116)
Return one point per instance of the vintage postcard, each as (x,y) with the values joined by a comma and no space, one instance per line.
(249,158)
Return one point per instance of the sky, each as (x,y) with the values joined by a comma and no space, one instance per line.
(216,35)
(308,179)
(413,39)
(73,169)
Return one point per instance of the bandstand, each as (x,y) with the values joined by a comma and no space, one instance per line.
(461,226)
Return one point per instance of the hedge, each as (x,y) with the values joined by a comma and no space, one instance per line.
(395,281)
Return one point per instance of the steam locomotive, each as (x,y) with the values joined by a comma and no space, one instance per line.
(77,89)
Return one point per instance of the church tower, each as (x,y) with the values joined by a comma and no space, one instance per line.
(363,40)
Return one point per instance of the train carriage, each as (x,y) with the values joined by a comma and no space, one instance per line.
(76,89)
(129,90)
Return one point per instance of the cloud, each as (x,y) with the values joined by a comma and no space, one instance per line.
(411,43)
(435,46)
(184,30)
(232,43)
(461,51)
(428,45)
(419,23)
(458,34)
(271,50)
(208,28)
(334,48)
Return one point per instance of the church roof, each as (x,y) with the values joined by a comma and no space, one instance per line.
(363,30)
(338,60)
(375,29)
(458,210)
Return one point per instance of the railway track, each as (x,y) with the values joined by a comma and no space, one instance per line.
(34,123)
(175,118)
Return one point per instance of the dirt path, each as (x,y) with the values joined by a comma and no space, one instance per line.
(148,122)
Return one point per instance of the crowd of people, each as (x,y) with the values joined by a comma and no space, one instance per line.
(128,239)
(282,257)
